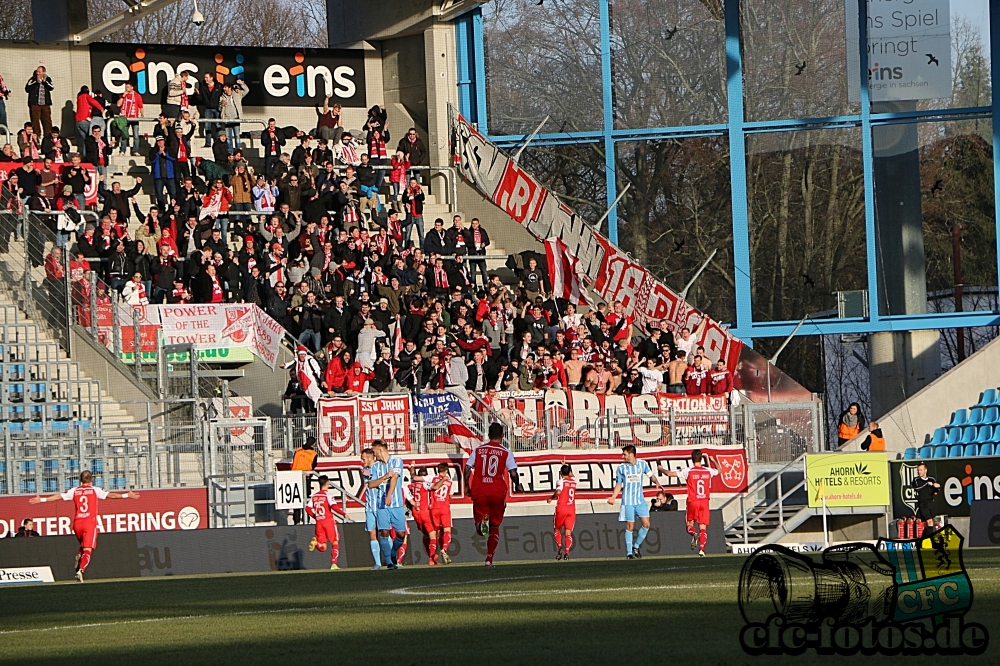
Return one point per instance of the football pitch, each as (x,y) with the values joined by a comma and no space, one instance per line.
(662,610)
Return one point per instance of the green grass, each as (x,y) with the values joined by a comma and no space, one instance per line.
(676,610)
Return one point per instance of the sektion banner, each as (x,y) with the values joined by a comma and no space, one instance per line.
(621,418)
(155,510)
(539,472)
(350,423)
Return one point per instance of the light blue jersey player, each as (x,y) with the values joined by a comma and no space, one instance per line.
(373,498)
(387,474)
(629,482)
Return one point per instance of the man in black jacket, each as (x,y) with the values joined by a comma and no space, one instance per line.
(436,241)
(210,92)
(97,149)
(926,488)
(39,89)
(55,147)
(117,198)
(28,179)
(272,141)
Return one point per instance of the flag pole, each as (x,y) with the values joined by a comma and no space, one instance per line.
(687,287)
(531,137)
(612,206)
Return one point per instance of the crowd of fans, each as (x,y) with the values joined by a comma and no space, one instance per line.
(380,304)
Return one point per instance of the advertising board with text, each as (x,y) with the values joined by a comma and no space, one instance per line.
(848,479)
(539,472)
(154,510)
(963,482)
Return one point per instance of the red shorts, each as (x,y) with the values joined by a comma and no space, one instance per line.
(326,531)
(423,521)
(564,519)
(441,517)
(491,506)
(86,533)
(697,511)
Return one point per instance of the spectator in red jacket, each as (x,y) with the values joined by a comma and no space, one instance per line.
(721,380)
(336,372)
(696,378)
(357,379)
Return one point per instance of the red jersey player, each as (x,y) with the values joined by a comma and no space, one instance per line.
(322,505)
(488,477)
(441,510)
(84,497)
(565,518)
(420,509)
(699,489)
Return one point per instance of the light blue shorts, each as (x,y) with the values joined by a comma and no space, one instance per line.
(394,518)
(629,512)
(370,520)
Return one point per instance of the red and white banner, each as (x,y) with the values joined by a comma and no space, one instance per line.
(89,191)
(239,408)
(643,418)
(155,511)
(565,274)
(206,325)
(539,472)
(618,278)
(346,424)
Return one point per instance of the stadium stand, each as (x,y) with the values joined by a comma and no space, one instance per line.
(971,432)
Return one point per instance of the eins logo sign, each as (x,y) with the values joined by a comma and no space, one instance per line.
(150,77)
(277,79)
(877,73)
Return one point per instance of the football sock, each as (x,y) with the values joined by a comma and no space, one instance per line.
(557,535)
(334,553)
(84,560)
(376,553)
(628,542)
(492,543)
(401,553)
(569,543)
(446,541)
(386,543)
(691,530)
(427,544)
(397,543)
(702,538)
(643,531)
(432,548)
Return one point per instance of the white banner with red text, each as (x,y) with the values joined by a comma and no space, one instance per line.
(615,419)
(208,326)
(345,425)
(618,278)
(538,472)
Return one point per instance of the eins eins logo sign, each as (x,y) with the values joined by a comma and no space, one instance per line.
(276,77)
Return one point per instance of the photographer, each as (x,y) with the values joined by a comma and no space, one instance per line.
(663,502)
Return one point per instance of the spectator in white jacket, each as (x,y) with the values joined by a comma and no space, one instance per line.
(231,108)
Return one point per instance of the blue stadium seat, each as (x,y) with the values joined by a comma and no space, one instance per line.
(987,398)
(954,436)
(940,437)
(926,452)
(28,487)
(955,451)
(976,416)
(940,451)
(968,434)
(986,449)
(992,415)
(910,453)
(959,418)
(984,434)
(970,451)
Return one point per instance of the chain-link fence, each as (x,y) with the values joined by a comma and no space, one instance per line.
(781,432)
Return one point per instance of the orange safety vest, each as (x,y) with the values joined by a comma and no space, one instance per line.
(847,432)
(303,460)
(877,443)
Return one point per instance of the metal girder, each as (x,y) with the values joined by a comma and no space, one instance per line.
(135,11)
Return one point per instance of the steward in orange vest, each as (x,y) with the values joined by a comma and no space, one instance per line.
(874,441)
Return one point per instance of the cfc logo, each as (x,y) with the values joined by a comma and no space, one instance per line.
(278,80)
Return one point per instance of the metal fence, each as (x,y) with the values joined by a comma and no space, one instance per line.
(781,432)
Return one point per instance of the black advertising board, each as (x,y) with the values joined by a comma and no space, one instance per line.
(963,481)
(275,76)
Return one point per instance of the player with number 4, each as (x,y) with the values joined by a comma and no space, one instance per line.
(698,480)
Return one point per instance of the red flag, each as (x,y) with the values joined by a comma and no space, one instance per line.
(565,273)
(462,435)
